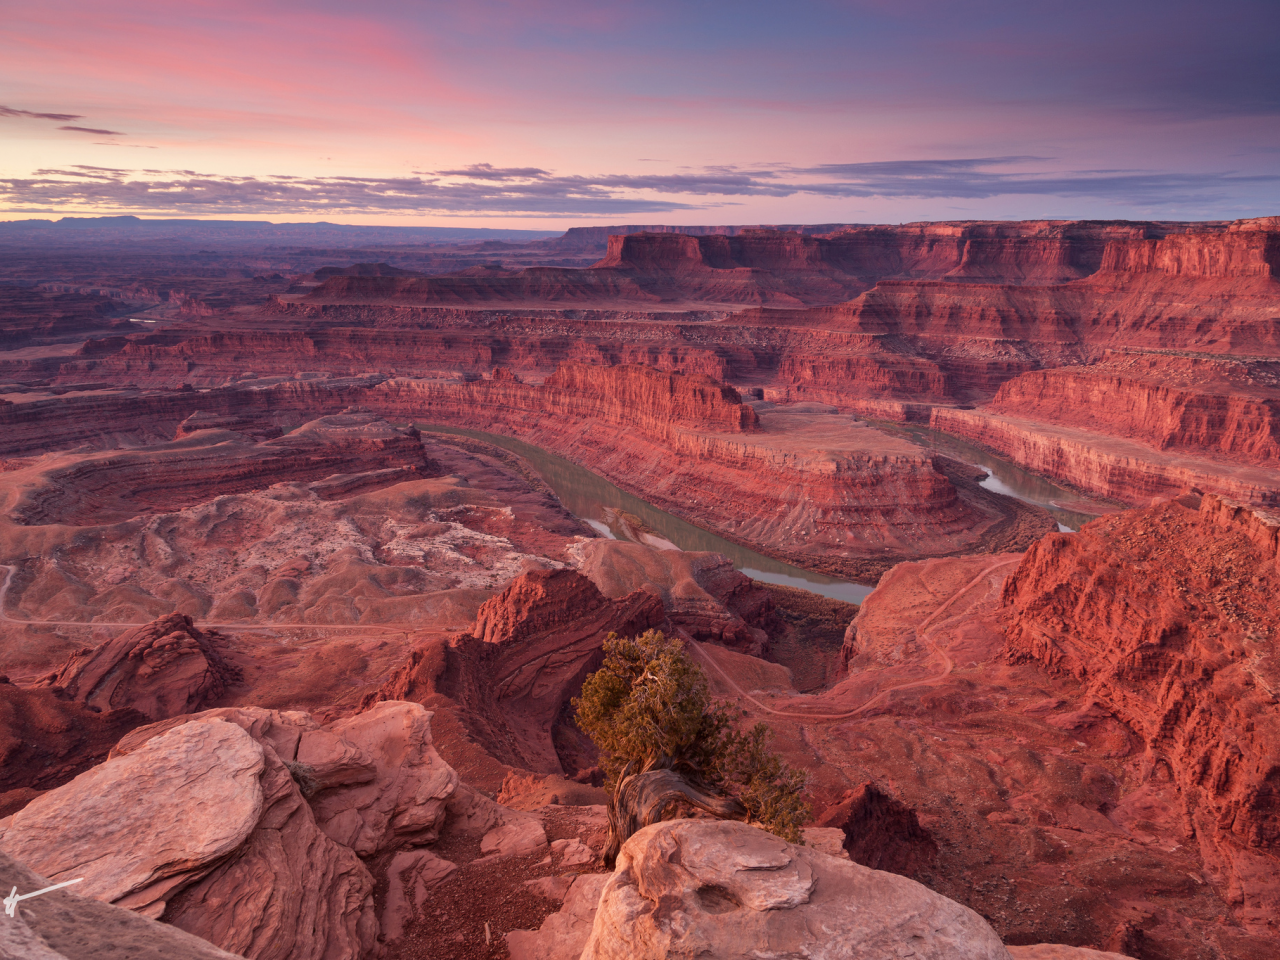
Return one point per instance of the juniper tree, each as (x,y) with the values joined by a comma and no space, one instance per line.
(665,743)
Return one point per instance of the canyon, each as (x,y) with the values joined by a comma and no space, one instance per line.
(262,548)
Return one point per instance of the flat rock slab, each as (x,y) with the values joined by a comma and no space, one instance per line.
(516,837)
(63,926)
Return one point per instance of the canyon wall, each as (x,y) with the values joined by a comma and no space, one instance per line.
(788,268)
(1113,468)
(1216,407)
(1167,618)
(1241,252)
(644,396)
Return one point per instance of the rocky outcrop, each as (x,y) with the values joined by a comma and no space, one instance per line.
(64,926)
(403,802)
(701,592)
(374,781)
(510,680)
(162,669)
(224,823)
(1167,618)
(205,826)
(722,889)
(109,824)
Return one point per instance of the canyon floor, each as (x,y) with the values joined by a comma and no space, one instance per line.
(238,536)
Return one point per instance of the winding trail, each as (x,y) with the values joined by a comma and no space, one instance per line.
(947,663)
(226,627)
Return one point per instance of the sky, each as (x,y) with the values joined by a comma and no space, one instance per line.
(544,114)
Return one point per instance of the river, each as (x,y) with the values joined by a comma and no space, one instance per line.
(1006,477)
(596,501)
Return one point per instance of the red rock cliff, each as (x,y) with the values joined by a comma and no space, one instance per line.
(649,397)
(1236,254)
(1167,617)
(1219,407)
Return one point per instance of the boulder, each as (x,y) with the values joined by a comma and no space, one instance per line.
(318,758)
(161,669)
(206,810)
(140,826)
(289,893)
(721,889)
(404,802)
(515,837)
(572,853)
(374,780)
(552,888)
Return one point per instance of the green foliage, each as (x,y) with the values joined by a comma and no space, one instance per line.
(649,706)
(772,792)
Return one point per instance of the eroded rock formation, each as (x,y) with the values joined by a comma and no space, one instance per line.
(509,681)
(701,592)
(162,669)
(242,825)
(1167,618)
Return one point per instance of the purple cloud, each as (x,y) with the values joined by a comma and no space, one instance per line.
(13,112)
(484,189)
(101,133)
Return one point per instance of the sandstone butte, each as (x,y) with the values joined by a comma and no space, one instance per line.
(240,572)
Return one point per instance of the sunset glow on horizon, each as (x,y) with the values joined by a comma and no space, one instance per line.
(545,115)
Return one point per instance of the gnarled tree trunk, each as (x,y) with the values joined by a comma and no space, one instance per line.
(640,800)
